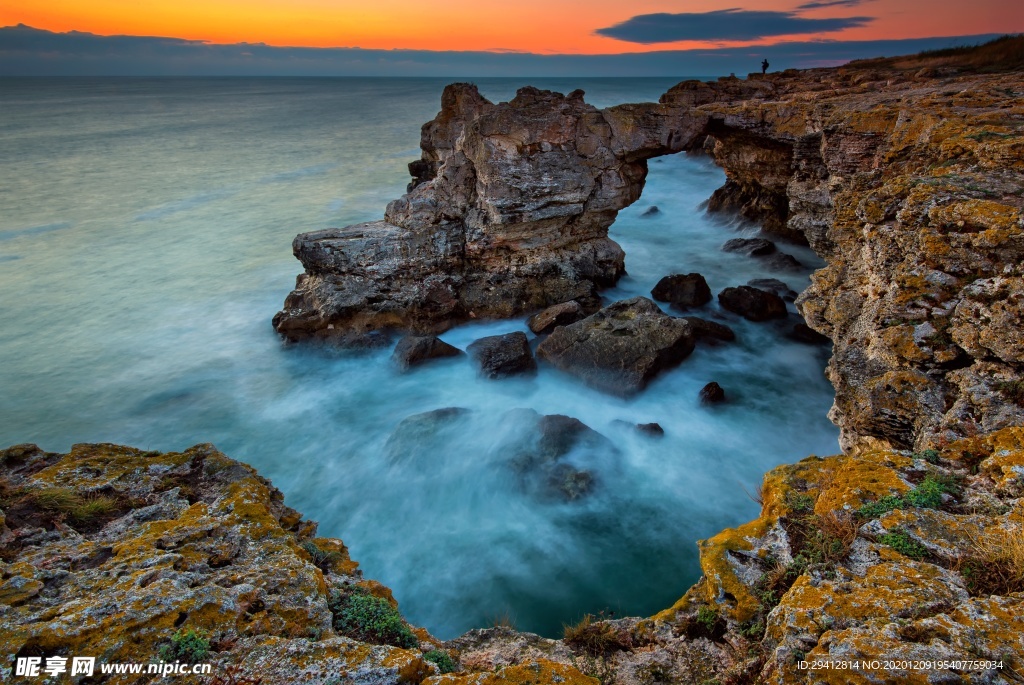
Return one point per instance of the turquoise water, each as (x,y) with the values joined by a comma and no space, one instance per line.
(145,244)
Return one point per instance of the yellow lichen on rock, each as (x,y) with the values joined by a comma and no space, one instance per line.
(540,672)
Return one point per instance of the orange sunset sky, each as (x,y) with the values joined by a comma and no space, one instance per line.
(539,26)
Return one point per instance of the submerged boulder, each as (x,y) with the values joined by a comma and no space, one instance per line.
(499,356)
(705,329)
(683,290)
(782,261)
(417,437)
(651,211)
(752,247)
(712,393)
(557,315)
(620,348)
(752,303)
(556,455)
(652,429)
(413,350)
(774,285)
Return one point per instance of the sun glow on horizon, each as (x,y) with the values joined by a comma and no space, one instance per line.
(537,26)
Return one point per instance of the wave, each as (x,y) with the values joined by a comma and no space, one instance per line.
(35,230)
(295,174)
(168,208)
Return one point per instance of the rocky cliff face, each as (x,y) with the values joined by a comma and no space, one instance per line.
(909,184)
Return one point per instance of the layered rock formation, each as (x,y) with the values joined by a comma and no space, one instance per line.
(508,212)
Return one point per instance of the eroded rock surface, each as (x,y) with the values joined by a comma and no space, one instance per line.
(108,551)
(508,212)
(621,348)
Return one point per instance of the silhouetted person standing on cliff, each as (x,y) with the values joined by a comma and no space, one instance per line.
(764,67)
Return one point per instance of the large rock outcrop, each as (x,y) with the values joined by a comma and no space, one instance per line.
(508,212)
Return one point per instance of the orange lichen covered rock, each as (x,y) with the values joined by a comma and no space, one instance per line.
(113,550)
(540,672)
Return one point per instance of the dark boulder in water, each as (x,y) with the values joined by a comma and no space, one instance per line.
(705,329)
(555,455)
(558,315)
(413,350)
(499,356)
(419,436)
(780,261)
(683,290)
(621,348)
(652,429)
(752,247)
(651,211)
(712,393)
(774,285)
(753,304)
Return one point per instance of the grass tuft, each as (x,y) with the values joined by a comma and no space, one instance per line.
(368,618)
(995,566)
(188,644)
(927,495)
(1012,390)
(322,559)
(901,542)
(442,659)
(594,637)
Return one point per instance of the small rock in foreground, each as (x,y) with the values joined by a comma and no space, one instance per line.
(499,356)
(753,304)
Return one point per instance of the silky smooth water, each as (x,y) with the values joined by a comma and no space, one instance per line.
(145,244)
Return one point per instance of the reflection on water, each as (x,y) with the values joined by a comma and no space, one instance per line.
(145,245)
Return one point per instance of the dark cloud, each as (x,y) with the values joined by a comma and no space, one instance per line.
(830,3)
(26,51)
(729,24)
